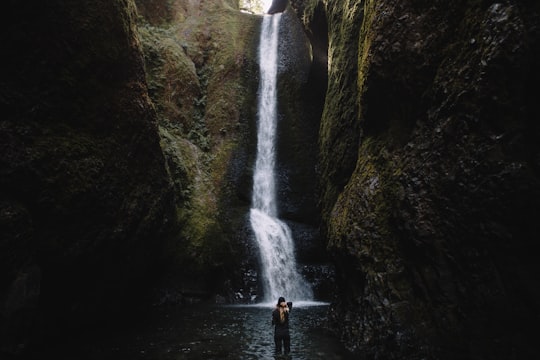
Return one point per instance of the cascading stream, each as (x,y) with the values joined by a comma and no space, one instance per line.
(279,274)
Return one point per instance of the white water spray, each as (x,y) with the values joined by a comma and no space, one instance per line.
(279,274)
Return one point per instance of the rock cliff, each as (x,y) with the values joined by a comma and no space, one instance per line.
(85,197)
(430,175)
(202,73)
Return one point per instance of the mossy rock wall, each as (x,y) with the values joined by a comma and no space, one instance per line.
(85,197)
(202,71)
(430,187)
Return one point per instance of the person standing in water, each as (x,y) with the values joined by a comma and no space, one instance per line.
(280,321)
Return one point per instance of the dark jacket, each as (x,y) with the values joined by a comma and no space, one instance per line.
(281,328)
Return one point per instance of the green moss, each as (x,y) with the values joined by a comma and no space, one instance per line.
(198,77)
(339,131)
(367,202)
(365,39)
(173,82)
(308,11)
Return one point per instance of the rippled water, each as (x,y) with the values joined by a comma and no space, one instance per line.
(217,332)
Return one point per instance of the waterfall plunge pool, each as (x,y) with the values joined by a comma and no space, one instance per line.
(204,332)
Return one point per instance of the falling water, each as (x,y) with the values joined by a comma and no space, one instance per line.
(279,273)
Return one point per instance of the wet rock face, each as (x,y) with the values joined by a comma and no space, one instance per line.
(84,194)
(300,101)
(278,6)
(297,125)
(431,191)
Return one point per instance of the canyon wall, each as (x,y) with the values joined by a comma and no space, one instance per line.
(202,74)
(85,196)
(429,163)
(128,136)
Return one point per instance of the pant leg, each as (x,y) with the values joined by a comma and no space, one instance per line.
(287,343)
(277,340)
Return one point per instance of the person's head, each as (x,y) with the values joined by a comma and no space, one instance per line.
(280,301)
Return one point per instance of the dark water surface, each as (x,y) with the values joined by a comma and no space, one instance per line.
(214,332)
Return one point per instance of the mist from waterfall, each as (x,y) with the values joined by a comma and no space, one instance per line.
(278,264)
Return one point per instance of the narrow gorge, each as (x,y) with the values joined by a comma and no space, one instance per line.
(405,179)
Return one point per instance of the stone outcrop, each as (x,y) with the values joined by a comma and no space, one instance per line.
(429,175)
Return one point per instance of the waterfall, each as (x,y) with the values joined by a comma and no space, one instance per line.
(279,274)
